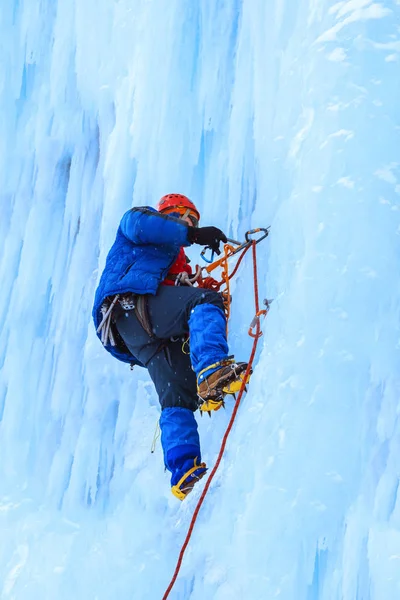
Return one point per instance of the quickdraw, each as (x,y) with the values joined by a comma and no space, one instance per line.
(223,286)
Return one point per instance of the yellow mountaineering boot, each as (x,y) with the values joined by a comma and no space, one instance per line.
(210,405)
(226,379)
(188,480)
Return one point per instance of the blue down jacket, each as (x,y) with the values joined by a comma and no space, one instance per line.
(146,245)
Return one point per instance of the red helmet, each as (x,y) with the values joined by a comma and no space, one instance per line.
(177,201)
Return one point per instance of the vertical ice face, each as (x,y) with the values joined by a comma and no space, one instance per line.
(266,114)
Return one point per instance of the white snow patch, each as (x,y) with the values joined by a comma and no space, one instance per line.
(335,8)
(346,182)
(337,55)
(395,46)
(374,11)
(350,6)
(308,117)
(301,341)
(386,173)
(21,554)
(58,570)
(347,134)
(282,437)
(369,272)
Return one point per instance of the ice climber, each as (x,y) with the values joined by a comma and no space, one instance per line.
(145,310)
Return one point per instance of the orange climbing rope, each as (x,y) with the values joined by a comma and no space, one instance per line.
(223,263)
(256,335)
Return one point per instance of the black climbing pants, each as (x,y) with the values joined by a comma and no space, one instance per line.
(169,366)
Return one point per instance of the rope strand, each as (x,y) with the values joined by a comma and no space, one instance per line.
(226,435)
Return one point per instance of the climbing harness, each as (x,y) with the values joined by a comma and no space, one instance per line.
(256,334)
(136,302)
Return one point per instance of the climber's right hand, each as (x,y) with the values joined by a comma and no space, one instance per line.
(207,236)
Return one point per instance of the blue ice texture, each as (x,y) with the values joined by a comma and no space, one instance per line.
(279,113)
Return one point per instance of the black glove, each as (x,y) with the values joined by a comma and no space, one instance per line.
(207,236)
